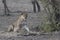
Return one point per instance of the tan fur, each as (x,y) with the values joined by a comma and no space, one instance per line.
(17,24)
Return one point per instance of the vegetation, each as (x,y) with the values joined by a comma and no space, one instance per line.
(52,23)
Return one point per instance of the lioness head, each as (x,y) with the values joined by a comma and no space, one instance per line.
(24,15)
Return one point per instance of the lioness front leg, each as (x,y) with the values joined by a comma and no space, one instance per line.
(11,28)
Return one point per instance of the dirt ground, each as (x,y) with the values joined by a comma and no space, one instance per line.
(17,36)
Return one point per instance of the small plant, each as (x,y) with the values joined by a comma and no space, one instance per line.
(50,27)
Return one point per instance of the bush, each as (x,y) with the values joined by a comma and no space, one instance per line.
(50,27)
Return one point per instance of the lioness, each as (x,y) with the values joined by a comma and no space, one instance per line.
(17,24)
